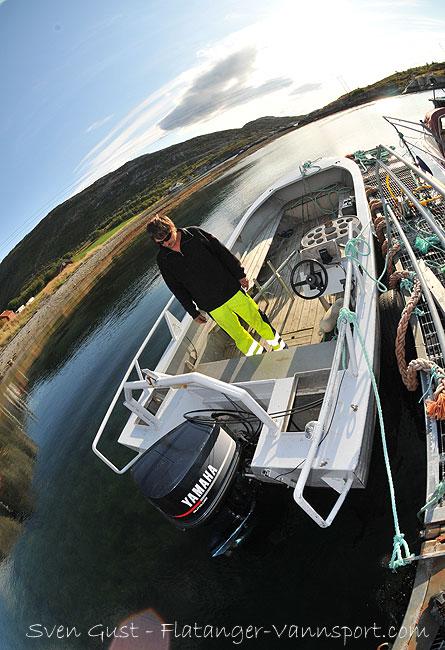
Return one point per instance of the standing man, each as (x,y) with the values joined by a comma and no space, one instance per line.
(203,274)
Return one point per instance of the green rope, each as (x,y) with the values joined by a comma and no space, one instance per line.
(407,283)
(307,165)
(368,158)
(352,251)
(423,244)
(400,545)
(434,499)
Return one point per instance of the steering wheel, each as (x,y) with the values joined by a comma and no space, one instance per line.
(314,277)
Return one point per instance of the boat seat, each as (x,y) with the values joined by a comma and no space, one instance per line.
(272,365)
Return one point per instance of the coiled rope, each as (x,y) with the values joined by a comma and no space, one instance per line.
(435,407)
(410,381)
(400,545)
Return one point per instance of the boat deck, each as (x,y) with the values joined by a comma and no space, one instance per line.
(296,319)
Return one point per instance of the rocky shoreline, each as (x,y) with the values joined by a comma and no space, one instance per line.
(58,306)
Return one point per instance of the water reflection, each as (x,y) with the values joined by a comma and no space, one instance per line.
(17,459)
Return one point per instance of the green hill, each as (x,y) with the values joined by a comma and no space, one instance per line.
(115,198)
(392,85)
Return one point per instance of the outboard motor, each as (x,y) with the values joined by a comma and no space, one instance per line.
(192,475)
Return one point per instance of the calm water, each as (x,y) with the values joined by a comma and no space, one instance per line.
(94,552)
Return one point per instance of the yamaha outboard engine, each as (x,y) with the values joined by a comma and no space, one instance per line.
(192,475)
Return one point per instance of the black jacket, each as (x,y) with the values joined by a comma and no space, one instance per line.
(205,272)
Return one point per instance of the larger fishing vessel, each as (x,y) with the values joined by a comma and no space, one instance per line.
(408,211)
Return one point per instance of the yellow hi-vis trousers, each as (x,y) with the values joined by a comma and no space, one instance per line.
(227,318)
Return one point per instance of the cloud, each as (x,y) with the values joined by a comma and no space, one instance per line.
(223,87)
(149,125)
(134,135)
(98,124)
(306,88)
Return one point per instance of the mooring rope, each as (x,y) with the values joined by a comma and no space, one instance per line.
(400,545)
(390,254)
(413,284)
(352,251)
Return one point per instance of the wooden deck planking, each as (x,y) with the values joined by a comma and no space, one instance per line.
(296,319)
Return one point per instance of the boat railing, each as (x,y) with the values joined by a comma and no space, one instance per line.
(438,102)
(345,338)
(406,129)
(409,125)
(171,334)
(425,288)
(426,214)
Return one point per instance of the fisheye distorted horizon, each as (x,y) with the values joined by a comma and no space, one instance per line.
(87,88)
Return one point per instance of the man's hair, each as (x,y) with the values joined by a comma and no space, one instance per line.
(159,226)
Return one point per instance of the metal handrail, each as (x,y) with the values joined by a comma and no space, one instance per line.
(325,413)
(135,364)
(440,187)
(430,219)
(425,289)
(170,381)
(398,121)
(408,125)
(426,214)
(211,383)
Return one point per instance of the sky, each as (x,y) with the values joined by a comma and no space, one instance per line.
(87,85)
